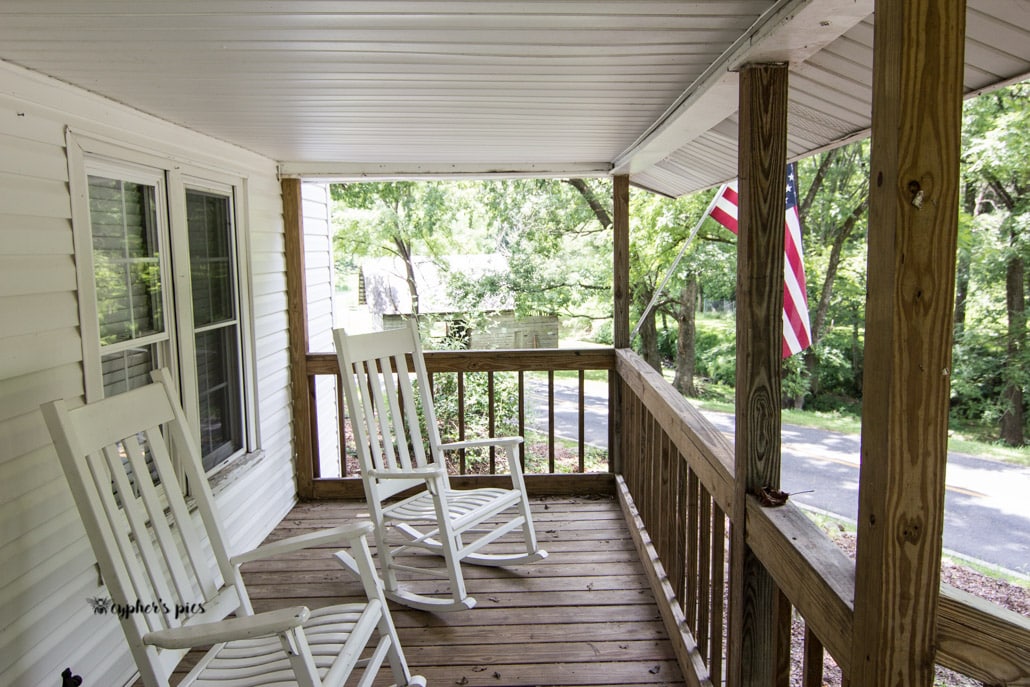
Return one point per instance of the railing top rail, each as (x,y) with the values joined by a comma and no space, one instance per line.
(690,431)
(508,360)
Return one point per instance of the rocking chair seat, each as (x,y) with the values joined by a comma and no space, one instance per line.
(260,662)
(463,505)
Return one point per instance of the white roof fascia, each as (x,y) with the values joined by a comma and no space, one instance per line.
(790,32)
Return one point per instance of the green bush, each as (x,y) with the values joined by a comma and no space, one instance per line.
(839,358)
(668,339)
(976,382)
(474,414)
(603,333)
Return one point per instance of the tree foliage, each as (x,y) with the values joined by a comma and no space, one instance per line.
(556,237)
(992,263)
(401,218)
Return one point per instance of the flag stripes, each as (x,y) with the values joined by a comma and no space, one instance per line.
(797,330)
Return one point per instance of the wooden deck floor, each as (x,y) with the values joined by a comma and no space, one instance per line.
(583,616)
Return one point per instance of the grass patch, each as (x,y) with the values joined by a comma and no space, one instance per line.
(566,455)
(992,450)
(588,375)
(720,398)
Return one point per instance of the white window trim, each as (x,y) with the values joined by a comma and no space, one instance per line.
(88,154)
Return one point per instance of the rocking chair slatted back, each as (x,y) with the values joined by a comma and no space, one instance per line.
(385,406)
(387,388)
(155,563)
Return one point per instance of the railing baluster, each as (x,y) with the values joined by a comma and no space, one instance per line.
(550,421)
(316,463)
(491,419)
(679,552)
(582,422)
(691,602)
(718,631)
(461,422)
(813,661)
(522,417)
(341,426)
(706,593)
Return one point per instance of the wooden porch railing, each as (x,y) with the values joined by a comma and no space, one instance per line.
(675,481)
(543,473)
(677,485)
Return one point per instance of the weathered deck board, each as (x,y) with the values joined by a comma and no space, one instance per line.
(583,616)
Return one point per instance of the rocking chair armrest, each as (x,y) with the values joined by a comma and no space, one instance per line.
(246,627)
(476,443)
(413,473)
(347,532)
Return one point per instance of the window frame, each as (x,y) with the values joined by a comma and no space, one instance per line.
(88,155)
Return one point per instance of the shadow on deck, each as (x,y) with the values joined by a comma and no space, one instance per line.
(583,616)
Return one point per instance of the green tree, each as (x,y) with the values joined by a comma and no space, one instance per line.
(395,218)
(557,239)
(659,229)
(833,207)
(997,178)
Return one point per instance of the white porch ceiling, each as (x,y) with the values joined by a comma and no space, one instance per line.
(351,89)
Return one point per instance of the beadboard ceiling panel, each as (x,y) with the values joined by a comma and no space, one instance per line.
(346,89)
(831,95)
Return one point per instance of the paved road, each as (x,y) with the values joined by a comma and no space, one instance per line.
(987,503)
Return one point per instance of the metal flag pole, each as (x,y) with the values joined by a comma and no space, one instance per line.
(676,262)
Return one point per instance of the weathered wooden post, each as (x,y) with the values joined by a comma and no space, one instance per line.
(756,618)
(913,224)
(296,299)
(620,312)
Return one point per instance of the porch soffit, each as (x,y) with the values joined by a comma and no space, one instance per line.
(473,88)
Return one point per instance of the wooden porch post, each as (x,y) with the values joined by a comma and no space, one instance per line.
(620,279)
(913,223)
(620,312)
(756,618)
(296,302)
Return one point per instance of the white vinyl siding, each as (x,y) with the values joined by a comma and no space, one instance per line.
(319,282)
(49,571)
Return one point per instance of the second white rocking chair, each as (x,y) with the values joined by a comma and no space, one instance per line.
(383,399)
(169,573)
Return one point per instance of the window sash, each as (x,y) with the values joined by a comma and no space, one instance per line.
(144,314)
(216,332)
(126,231)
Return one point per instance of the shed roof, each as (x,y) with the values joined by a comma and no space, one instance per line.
(400,88)
(386,283)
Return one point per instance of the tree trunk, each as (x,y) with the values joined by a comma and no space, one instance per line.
(970,205)
(686,342)
(962,267)
(404,251)
(596,206)
(648,330)
(1013,417)
(1011,426)
(832,265)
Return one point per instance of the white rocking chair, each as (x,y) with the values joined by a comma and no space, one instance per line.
(383,405)
(151,550)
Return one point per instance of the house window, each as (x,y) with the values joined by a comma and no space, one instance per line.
(165,278)
(216,329)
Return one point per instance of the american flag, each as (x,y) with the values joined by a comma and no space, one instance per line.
(797,331)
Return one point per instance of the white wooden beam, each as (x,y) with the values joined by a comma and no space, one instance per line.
(791,32)
(415,171)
